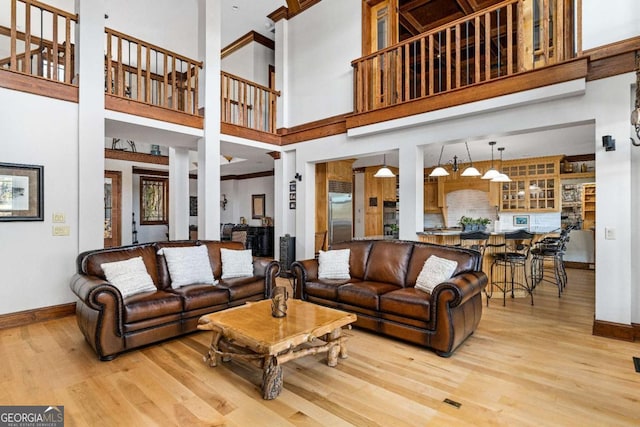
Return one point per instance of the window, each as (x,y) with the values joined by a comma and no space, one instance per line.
(154,200)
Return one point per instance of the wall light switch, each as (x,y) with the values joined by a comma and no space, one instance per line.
(58,217)
(60,230)
(610,233)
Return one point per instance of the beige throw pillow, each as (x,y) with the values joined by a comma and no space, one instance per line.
(334,264)
(129,276)
(435,271)
(188,266)
(236,263)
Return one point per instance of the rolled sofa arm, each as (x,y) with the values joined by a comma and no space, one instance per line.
(269,269)
(302,271)
(456,308)
(463,287)
(99,313)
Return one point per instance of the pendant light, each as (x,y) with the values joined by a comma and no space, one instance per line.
(501,177)
(384,171)
(491,173)
(439,171)
(470,171)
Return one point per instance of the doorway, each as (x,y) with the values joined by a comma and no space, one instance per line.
(112,208)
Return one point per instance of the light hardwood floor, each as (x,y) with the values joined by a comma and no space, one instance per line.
(525,365)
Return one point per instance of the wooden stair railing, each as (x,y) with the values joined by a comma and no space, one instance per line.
(150,74)
(508,38)
(247,104)
(30,52)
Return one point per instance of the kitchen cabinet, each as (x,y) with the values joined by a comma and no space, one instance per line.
(431,197)
(588,206)
(376,192)
(534,185)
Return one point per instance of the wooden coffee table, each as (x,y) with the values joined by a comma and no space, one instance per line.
(250,333)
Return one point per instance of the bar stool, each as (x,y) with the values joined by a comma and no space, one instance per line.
(514,258)
(475,240)
(550,250)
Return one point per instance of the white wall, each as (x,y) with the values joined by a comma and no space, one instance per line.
(239,194)
(251,62)
(36,266)
(605,22)
(322,43)
(169,24)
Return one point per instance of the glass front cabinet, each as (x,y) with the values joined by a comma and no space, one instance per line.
(533,187)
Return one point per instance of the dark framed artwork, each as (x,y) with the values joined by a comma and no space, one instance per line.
(292,196)
(257,206)
(21,192)
(292,205)
(292,186)
(193,206)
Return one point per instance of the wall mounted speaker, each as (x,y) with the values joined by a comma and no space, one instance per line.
(609,143)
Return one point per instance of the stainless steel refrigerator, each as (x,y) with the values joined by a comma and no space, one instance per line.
(340,217)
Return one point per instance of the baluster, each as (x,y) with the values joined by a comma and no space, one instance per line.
(14,35)
(457,41)
(431,56)
(189,106)
(510,39)
(397,89)
(423,71)
(147,85)
(498,41)
(68,69)
(27,40)
(120,74)
(55,47)
(138,72)
(196,72)
(407,78)
(487,46)
(108,86)
(165,81)
(477,61)
(544,29)
(174,101)
(448,62)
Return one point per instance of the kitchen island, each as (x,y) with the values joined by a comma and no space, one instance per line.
(451,236)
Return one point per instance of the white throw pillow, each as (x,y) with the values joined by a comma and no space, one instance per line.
(129,276)
(236,263)
(188,266)
(435,271)
(334,264)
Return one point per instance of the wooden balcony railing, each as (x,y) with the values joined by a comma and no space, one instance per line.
(247,104)
(508,38)
(150,74)
(46,46)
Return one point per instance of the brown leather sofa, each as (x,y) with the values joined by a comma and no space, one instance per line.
(112,324)
(381,292)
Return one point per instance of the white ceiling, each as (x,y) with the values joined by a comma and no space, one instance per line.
(247,15)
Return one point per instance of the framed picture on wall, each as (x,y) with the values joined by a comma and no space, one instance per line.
(292,186)
(521,220)
(292,205)
(257,206)
(193,206)
(292,196)
(21,192)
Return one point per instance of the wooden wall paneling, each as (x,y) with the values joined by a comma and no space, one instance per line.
(322,196)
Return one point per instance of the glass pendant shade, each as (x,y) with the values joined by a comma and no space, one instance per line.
(490,174)
(501,178)
(470,171)
(384,171)
(439,171)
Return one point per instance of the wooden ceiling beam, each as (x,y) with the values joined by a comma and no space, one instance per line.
(411,24)
(294,6)
(413,4)
(465,6)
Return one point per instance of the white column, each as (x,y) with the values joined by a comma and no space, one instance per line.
(90,66)
(178,193)
(209,46)
(282,72)
(613,208)
(411,192)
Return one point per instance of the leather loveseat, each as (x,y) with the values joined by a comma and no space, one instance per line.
(112,324)
(381,291)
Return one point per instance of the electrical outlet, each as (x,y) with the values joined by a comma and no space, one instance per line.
(60,230)
(610,233)
(58,217)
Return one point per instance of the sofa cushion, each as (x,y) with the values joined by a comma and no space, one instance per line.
(326,289)
(243,287)
(389,262)
(364,294)
(334,264)
(358,257)
(149,305)
(199,296)
(407,302)
(129,276)
(188,266)
(236,263)
(435,271)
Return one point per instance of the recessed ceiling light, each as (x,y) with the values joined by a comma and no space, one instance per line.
(235,7)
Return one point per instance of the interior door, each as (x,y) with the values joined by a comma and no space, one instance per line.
(112,208)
